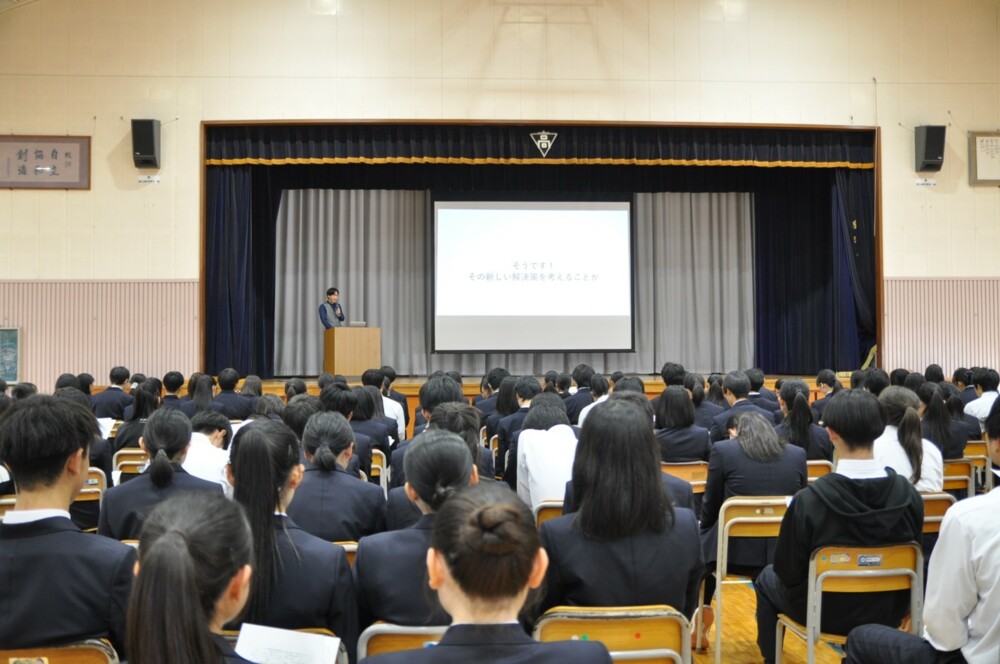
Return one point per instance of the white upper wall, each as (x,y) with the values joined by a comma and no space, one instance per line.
(89,66)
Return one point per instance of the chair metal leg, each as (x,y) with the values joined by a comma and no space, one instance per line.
(779,641)
(698,618)
(718,618)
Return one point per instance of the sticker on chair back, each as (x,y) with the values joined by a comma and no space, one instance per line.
(840,558)
(870,560)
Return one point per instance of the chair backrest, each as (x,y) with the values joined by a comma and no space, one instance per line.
(935,505)
(385,637)
(85,652)
(114,428)
(818,468)
(380,469)
(129,455)
(959,475)
(745,516)
(646,633)
(96,479)
(351,548)
(866,569)
(7,503)
(129,469)
(976,448)
(693,472)
(547,509)
(482,436)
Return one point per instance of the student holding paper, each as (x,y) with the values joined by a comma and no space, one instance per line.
(193,577)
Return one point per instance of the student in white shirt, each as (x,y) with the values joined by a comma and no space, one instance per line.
(546,448)
(599,389)
(986,382)
(902,446)
(208,455)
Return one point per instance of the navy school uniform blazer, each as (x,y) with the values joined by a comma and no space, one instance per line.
(487,406)
(704,412)
(397,477)
(235,406)
(400,513)
(229,656)
(314,586)
(678,490)
(647,568)
(732,473)
(374,430)
(684,444)
(819,446)
(510,425)
(768,404)
(577,402)
(390,575)
(497,644)
(111,403)
(719,422)
(819,405)
(337,507)
(127,505)
(59,584)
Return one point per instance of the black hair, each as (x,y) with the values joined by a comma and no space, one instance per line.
(5,402)
(455,376)
(857,379)
(937,417)
(985,379)
(228,378)
(544,417)
(365,410)
(856,416)
(191,547)
(166,435)
(67,380)
(549,399)
(616,376)
(934,373)
(630,384)
(672,374)
(487,537)
(253,386)
(373,377)
(598,385)
(332,291)
(913,381)
(715,394)
(437,463)
(86,381)
(38,435)
(270,404)
(326,437)
(795,394)
(638,400)
(339,398)
(193,382)
(23,391)
(3,386)
(898,376)
(298,411)
(756,378)
(463,420)
(961,375)
(325,379)
(209,421)
(145,401)
(737,383)
(389,373)
(828,378)
(202,396)
(549,380)
(901,411)
(876,380)
(992,422)
(438,390)
(173,381)
(378,406)
(674,410)
(137,379)
(616,474)
(582,374)
(564,381)
(294,386)
(262,459)
(119,375)
(71,393)
(526,387)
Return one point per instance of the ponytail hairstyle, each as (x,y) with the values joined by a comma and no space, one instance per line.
(550,381)
(202,396)
(695,384)
(937,418)
(326,436)
(828,378)
(956,407)
(145,400)
(191,547)
(166,435)
(262,458)
(715,394)
(795,394)
(436,465)
(488,539)
(901,411)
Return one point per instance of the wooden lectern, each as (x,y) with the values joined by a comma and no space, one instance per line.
(350,351)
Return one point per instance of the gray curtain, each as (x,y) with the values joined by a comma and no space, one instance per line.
(694,283)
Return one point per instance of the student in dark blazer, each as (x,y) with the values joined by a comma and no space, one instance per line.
(484,558)
(145,401)
(736,388)
(299,580)
(398,397)
(491,391)
(234,406)
(209,536)
(827,383)
(390,570)
(936,424)
(363,421)
(679,438)
(58,584)
(704,410)
(332,504)
(525,389)
(112,401)
(962,379)
(678,491)
(758,397)
(200,397)
(166,438)
(436,391)
(583,397)
(611,551)
(797,427)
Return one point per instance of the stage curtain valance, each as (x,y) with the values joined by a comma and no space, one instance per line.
(513,144)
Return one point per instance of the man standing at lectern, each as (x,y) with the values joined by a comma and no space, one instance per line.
(331,313)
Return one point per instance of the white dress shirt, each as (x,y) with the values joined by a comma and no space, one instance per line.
(962,605)
(544,463)
(587,409)
(208,462)
(14,517)
(889,452)
(394,409)
(980,408)
(860,469)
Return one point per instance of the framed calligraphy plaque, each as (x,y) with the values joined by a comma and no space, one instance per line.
(45,162)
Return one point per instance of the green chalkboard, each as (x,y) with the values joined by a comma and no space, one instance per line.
(10,354)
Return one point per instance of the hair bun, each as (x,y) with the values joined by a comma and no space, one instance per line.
(442,492)
(493,523)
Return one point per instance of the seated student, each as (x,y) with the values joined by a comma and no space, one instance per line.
(673,374)
(961,621)
(333,505)
(166,439)
(828,385)
(112,401)
(599,390)
(902,446)
(735,388)
(23,391)
(67,380)
(936,423)
(193,577)
(506,404)
(484,558)
(299,581)
(144,402)
(364,421)
(704,410)
(525,389)
(611,551)
(389,408)
(294,387)
(962,380)
(491,383)
(252,388)
(389,424)
(200,396)
(338,398)
(59,584)
(985,381)
(583,397)
(509,465)
(101,452)
(398,397)
(208,455)
(390,568)
(678,437)
(898,376)
(543,454)
(436,391)
(861,503)
(173,381)
(797,427)
(234,406)
(758,397)
(956,408)
(269,405)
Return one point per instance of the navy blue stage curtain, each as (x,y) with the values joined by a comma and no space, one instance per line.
(854,256)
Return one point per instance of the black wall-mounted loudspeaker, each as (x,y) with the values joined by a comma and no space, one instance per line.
(929,147)
(146,143)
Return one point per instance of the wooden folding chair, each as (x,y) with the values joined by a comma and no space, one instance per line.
(7,503)
(482,436)
(693,472)
(385,637)
(380,470)
(130,462)
(960,475)
(547,509)
(351,548)
(633,633)
(90,651)
(857,569)
(495,449)
(740,517)
(975,451)
(818,468)
(935,505)
(83,510)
